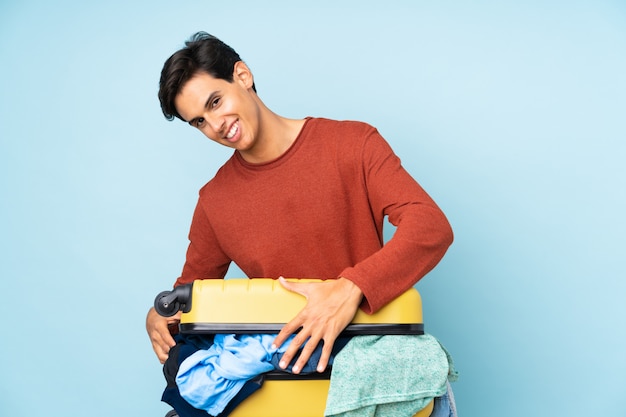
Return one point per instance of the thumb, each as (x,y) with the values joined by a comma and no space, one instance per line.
(297,287)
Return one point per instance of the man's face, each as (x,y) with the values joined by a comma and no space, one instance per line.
(225,112)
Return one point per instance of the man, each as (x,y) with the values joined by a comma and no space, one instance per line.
(302,198)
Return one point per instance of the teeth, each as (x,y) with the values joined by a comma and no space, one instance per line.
(232,131)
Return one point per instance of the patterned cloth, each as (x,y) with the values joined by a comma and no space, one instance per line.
(388,376)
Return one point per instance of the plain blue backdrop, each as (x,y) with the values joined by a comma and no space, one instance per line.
(510,114)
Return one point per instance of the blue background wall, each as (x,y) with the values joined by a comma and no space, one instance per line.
(511,114)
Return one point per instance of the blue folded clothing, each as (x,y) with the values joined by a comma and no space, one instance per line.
(210,378)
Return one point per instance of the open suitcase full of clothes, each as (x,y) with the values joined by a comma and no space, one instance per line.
(262,305)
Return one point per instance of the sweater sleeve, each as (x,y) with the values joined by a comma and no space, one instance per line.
(205,259)
(422,234)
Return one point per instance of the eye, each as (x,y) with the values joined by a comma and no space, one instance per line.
(215,102)
(200,122)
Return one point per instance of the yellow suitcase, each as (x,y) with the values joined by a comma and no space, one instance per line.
(262,305)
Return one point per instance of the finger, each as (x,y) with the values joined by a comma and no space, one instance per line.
(162,354)
(160,336)
(297,287)
(325,358)
(161,347)
(305,355)
(291,351)
(288,329)
(167,338)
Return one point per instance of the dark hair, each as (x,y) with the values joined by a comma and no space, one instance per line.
(202,53)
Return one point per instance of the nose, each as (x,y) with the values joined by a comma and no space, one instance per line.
(218,124)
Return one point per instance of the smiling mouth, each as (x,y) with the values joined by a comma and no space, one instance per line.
(233,130)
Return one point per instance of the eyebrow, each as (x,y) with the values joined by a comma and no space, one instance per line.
(209,100)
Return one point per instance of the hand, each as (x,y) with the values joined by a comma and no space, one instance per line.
(159,333)
(331,306)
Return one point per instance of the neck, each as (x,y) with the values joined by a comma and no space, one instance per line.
(276,134)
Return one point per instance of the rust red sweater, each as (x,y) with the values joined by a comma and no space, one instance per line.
(317,212)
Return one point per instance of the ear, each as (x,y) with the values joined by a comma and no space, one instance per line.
(243,75)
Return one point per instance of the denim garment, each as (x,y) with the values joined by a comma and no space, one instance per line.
(445,405)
